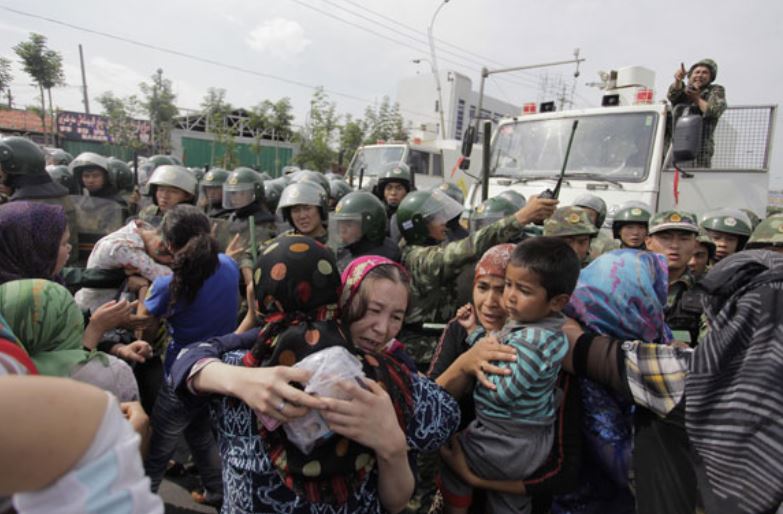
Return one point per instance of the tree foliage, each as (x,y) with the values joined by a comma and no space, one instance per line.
(384,122)
(122,113)
(45,67)
(5,75)
(217,110)
(351,137)
(159,105)
(317,136)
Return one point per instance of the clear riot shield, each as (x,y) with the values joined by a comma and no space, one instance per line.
(96,217)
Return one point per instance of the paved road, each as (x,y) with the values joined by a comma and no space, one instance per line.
(176,495)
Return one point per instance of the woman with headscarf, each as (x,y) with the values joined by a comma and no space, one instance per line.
(34,241)
(49,326)
(365,466)
(458,367)
(621,294)
(728,445)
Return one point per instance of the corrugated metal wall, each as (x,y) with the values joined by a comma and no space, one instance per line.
(199,152)
(76,147)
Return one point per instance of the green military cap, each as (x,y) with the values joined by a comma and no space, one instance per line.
(673,220)
(768,233)
(569,221)
(729,221)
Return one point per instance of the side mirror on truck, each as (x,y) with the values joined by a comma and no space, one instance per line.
(467,141)
(686,140)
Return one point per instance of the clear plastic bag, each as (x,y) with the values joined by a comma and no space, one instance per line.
(328,368)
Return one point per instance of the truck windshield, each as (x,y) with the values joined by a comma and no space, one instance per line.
(613,146)
(372,159)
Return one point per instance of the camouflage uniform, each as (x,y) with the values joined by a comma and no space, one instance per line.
(715,96)
(683,304)
(434,270)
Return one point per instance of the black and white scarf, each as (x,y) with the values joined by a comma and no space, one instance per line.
(734,390)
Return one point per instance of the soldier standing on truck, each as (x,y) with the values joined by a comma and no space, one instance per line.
(704,95)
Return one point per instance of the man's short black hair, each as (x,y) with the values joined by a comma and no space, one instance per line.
(552,259)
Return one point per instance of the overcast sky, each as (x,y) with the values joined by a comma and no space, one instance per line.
(359,49)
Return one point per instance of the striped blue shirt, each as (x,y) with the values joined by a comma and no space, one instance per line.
(527,395)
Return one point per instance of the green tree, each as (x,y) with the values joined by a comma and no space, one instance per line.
(351,137)
(45,67)
(281,119)
(5,77)
(123,126)
(159,105)
(217,110)
(316,137)
(384,123)
(259,121)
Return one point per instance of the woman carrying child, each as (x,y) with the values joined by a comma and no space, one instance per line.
(513,430)
(198,301)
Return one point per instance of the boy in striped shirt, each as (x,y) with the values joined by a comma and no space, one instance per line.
(514,426)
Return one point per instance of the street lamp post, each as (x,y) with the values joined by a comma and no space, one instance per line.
(434,64)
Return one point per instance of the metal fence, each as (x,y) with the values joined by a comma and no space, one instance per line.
(743,136)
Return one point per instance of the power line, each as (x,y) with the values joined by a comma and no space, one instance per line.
(389,38)
(201,59)
(483,59)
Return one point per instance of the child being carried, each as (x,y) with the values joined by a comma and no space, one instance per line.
(514,426)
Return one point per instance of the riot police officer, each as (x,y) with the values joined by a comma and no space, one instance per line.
(305,206)
(394,183)
(673,235)
(358,227)
(212,193)
(455,229)
(243,198)
(61,175)
(703,255)
(630,225)
(768,235)
(168,186)
(729,229)
(338,188)
(595,207)
(572,224)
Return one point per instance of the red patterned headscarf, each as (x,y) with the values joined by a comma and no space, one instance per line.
(355,273)
(494,261)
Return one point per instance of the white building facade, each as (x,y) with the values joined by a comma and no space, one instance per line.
(418,100)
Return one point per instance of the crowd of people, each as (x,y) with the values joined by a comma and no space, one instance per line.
(317,349)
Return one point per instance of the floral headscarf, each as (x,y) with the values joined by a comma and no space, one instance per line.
(494,261)
(623,294)
(30,234)
(355,273)
(46,320)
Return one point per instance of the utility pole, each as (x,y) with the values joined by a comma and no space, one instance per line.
(435,71)
(84,82)
(10,99)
